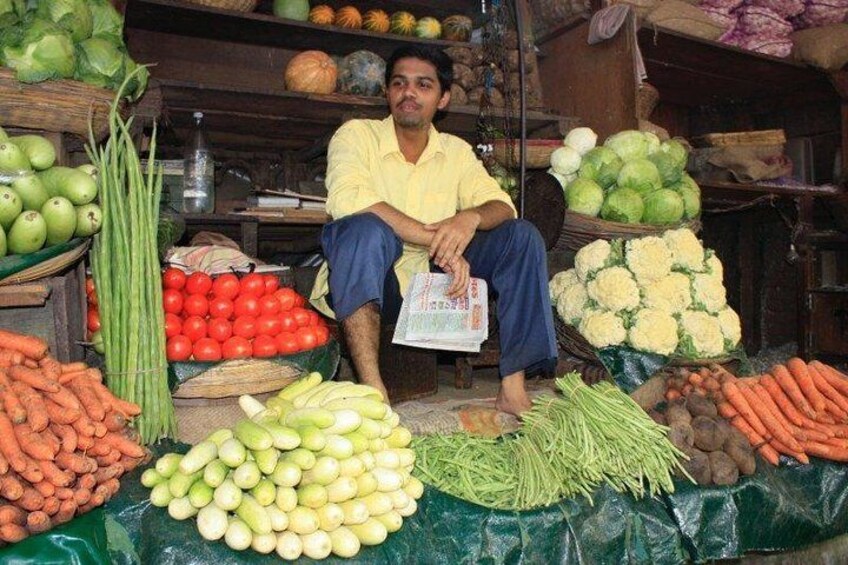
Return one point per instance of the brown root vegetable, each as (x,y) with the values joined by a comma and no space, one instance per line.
(463,76)
(682,436)
(462,55)
(678,414)
(743,456)
(723,468)
(709,436)
(701,406)
(657,417)
(698,466)
(458,95)
(495,98)
(483,71)
(736,437)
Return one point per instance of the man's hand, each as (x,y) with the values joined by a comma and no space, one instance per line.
(461,271)
(452,236)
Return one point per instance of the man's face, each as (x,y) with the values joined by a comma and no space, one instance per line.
(414,93)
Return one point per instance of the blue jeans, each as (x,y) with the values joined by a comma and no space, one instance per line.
(361,250)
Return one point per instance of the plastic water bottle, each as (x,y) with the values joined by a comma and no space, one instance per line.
(199,172)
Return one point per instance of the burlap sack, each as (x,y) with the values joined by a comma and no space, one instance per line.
(825,47)
(640,7)
(751,163)
(682,17)
(659,131)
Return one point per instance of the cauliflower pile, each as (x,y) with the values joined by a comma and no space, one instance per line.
(661,295)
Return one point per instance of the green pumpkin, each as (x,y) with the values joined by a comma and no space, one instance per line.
(402,23)
(457,28)
(428,28)
(292,9)
(362,73)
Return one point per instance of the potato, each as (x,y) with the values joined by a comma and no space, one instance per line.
(723,469)
(462,55)
(677,413)
(737,438)
(701,406)
(743,456)
(657,417)
(458,95)
(709,436)
(463,76)
(681,436)
(698,466)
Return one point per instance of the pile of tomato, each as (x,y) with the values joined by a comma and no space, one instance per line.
(232,317)
(92,316)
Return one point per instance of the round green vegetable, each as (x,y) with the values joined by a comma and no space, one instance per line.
(584,196)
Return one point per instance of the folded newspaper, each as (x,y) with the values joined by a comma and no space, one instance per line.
(429,319)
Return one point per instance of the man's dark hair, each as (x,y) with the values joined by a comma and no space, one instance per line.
(438,58)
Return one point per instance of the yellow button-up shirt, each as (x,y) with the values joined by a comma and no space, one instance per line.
(365,166)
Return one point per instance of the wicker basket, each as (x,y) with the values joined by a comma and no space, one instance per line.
(235,5)
(537,155)
(579,230)
(54,105)
(237,377)
(647,98)
(760,137)
(48,267)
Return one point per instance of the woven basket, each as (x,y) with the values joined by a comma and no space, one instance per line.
(48,267)
(54,105)
(647,98)
(579,230)
(761,137)
(234,5)
(537,155)
(237,377)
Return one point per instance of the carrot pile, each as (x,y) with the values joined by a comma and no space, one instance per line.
(64,438)
(795,409)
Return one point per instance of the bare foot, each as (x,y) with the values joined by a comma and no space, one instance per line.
(512,397)
(378,384)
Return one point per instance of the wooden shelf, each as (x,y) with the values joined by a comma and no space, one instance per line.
(718,191)
(265,29)
(418,8)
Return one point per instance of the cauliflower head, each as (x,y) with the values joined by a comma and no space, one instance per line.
(602,328)
(560,282)
(648,258)
(686,251)
(713,264)
(731,327)
(708,292)
(571,303)
(654,331)
(595,256)
(671,294)
(614,288)
(700,335)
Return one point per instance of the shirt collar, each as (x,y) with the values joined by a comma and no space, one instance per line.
(388,142)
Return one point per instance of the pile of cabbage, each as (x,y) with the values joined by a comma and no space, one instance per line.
(632,178)
(764,26)
(66,39)
(659,294)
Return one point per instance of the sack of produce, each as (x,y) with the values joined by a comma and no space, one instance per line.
(685,18)
(825,47)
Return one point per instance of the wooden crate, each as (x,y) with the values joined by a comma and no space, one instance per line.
(53,309)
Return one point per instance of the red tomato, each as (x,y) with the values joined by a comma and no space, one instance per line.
(264,346)
(269,304)
(322,334)
(89,285)
(246,305)
(172,300)
(314,318)
(226,286)
(287,343)
(245,326)
(92,299)
(299,301)
(252,285)
(219,329)
(206,349)
(286,296)
(196,305)
(173,325)
(221,308)
(194,328)
(268,325)
(178,348)
(306,338)
(287,321)
(301,316)
(198,283)
(236,347)
(174,278)
(272,283)
(92,320)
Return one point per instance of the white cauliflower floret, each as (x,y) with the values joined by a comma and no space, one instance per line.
(614,288)
(670,294)
(713,264)
(591,258)
(560,282)
(708,292)
(731,327)
(700,335)
(654,331)
(649,258)
(686,251)
(571,303)
(602,328)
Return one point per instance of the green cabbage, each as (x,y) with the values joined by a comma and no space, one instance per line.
(676,150)
(651,141)
(601,165)
(100,62)
(107,22)
(663,206)
(584,196)
(641,175)
(72,15)
(667,166)
(38,50)
(138,77)
(11,11)
(691,194)
(628,144)
(623,205)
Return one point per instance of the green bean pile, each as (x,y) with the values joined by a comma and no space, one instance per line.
(569,444)
(125,267)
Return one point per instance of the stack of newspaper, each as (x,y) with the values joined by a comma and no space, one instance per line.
(429,319)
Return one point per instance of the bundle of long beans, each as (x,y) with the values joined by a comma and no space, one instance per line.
(125,267)
(568,445)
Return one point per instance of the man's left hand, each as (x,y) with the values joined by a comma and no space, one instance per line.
(461,271)
(452,236)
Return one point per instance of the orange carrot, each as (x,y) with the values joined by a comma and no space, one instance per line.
(10,514)
(84,442)
(30,346)
(50,439)
(65,378)
(787,382)
(95,375)
(11,488)
(31,443)
(83,425)
(38,522)
(722,374)
(781,400)
(839,415)
(112,486)
(55,475)
(86,396)
(99,449)
(33,403)
(87,481)
(64,493)
(32,473)
(130,463)
(733,395)
(9,445)
(826,451)
(59,414)
(124,445)
(107,398)
(756,440)
(764,397)
(75,463)
(4,465)
(810,434)
(802,376)
(11,402)
(31,500)
(45,488)
(33,378)
(51,505)
(800,456)
(672,394)
(13,533)
(11,357)
(110,458)
(827,389)
(695,379)
(114,421)
(67,436)
(772,424)
(82,496)
(111,472)
(836,379)
(66,512)
(100,429)
(73,367)
(64,397)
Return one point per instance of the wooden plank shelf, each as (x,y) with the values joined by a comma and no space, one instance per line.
(265,29)
(720,191)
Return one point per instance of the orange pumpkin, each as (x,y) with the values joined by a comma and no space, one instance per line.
(311,71)
(322,15)
(376,20)
(348,17)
